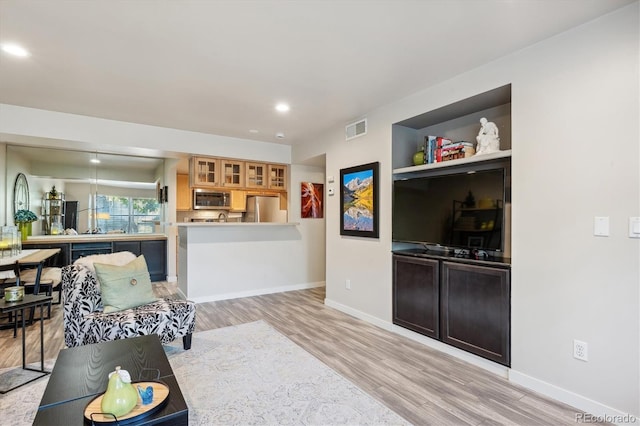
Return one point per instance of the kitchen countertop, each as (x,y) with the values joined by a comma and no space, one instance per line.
(87,238)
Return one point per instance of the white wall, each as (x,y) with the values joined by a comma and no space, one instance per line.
(219,262)
(80,132)
(20,125)
(575,147)
(311,230)
(568,284)
(6,209)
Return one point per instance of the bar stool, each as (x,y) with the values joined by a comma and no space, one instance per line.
(50,280)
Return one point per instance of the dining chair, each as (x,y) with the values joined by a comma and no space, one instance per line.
(12,319)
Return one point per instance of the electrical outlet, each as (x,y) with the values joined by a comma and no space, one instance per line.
(580,350)
(347,284)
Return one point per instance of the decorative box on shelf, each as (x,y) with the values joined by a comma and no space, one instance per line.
(457,150)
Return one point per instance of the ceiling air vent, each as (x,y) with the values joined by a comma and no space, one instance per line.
(356,129)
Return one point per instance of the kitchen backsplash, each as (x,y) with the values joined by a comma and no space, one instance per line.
(186,216)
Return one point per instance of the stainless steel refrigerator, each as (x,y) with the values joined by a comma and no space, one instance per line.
(264,209)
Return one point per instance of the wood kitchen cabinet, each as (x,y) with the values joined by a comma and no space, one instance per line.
(232,173)
(183,193)
(238,201)
(277,177)
(228,173)
(416,294)
(475,310)
(256,175)
(205,172)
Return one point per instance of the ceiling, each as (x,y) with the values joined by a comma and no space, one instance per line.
(219,67)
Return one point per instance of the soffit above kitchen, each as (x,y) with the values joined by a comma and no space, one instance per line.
(220,67)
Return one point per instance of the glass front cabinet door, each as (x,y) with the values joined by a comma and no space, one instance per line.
(232,173)
(277,177)
(204,171)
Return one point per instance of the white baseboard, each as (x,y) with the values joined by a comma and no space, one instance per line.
(172,278)
(358,314)
(258,292)
(184,296)
(485,364)
(600,412)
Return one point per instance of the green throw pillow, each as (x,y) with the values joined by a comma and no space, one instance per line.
(124,287)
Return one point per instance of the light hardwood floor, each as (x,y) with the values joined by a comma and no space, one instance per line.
(424,386)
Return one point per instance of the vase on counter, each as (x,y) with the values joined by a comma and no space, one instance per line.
(25,229)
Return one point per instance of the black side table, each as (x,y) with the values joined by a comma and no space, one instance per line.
(29,301)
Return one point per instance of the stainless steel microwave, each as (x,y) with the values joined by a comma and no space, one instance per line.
(204,199)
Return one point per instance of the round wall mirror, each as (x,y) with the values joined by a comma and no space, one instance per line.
(20,193)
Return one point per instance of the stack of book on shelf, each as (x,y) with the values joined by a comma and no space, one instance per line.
(439,149)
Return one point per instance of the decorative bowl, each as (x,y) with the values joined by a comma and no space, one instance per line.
(14,294)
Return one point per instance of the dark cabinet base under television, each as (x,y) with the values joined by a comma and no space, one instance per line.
(461,303)
(416,294)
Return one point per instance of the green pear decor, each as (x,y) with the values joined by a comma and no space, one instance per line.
(121,397)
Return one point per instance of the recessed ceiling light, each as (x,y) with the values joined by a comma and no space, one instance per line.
(15,50)
(282,107)
(280,135)
(95,161)
(253,131)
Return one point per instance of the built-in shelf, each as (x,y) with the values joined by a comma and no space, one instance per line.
(459,121)
(460,161)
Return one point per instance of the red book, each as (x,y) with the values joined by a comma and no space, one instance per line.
(440,142)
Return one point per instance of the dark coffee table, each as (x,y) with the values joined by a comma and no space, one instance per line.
(80,374)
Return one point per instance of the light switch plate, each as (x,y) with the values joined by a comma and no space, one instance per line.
(330,179)
(601,226)
(634,227)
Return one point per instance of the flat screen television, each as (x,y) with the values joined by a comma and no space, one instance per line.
(464,209)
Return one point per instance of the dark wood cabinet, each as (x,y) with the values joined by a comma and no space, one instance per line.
(461,303)
(475,310)
(416,292)
(79,250)
(132,246)
(155,254)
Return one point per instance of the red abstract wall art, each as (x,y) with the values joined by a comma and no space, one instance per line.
(311,200)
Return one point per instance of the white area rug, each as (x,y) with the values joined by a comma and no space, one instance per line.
(242,375)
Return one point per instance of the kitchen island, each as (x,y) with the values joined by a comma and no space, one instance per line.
(72,247)
(218,261)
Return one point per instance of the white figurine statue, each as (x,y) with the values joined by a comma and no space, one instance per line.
(488,140)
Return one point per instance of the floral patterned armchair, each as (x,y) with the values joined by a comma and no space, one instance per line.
(85,323)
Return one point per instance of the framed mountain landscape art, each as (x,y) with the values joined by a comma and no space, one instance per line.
(359,201)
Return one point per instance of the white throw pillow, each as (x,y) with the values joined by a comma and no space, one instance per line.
(119,259)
